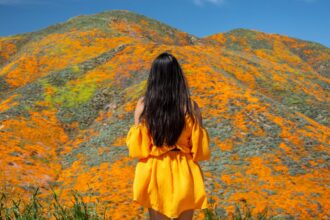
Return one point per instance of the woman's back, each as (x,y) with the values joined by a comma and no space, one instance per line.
(194,140)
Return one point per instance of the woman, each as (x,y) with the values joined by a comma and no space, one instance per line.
(169,139)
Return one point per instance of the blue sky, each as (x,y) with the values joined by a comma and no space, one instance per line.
(304,19)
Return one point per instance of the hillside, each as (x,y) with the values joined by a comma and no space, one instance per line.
(68,92)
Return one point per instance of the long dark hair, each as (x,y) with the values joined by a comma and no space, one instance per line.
(165,98)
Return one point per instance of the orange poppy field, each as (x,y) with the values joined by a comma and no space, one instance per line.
(68,94)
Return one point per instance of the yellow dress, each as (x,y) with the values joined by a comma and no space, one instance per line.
(167,181)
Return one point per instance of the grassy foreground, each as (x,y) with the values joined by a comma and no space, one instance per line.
(80,210)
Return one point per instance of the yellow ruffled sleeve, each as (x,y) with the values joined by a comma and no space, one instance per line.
(200,143)
(138,141)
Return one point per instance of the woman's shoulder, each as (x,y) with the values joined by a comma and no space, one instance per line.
(140,101)
(197,112)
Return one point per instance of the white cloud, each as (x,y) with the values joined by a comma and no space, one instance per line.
(202,2)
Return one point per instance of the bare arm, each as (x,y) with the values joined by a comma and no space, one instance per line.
(138,110)
(198,113)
